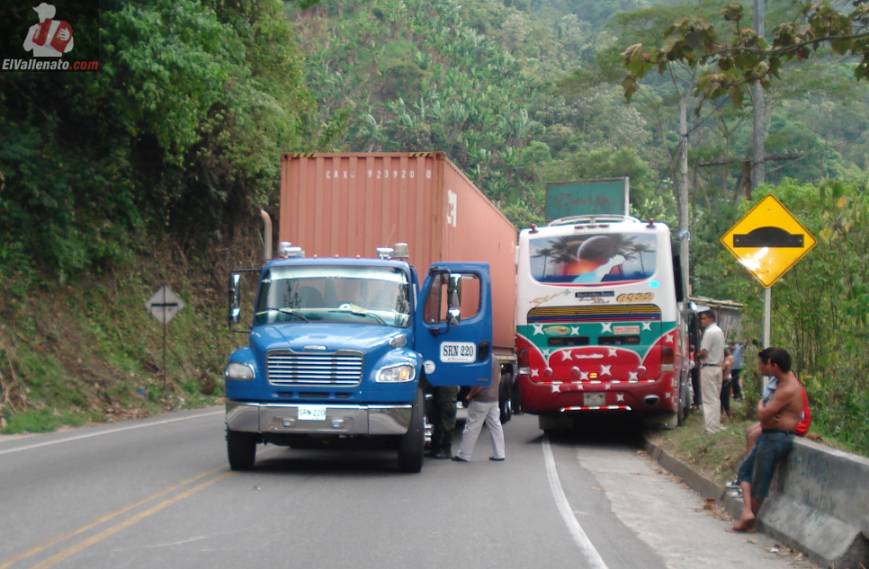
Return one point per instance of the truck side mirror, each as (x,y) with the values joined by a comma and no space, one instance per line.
(234,311)
(234,314)
(454,299)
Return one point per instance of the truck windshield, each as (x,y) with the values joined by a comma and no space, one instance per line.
(334,294)
(593,258)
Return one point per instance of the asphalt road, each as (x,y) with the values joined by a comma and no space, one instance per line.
(158,493)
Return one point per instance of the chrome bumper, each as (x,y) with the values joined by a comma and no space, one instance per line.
(280,418)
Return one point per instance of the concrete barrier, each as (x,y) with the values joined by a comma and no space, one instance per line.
(819,503)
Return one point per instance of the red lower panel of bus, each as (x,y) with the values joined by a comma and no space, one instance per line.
(599,378)
(659,395)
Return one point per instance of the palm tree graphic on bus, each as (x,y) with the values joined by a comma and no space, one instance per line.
(589,259)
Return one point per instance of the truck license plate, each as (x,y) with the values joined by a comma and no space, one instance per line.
(458,352)
(594,399)
(311,413)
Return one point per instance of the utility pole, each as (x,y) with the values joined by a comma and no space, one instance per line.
(758,172)
(684,232)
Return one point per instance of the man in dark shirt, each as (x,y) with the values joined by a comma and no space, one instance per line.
(443,419)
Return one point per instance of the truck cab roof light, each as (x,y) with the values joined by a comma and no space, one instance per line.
(400,251)
(292,252)
(283,249)
(385,253)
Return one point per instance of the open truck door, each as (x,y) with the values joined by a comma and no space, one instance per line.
(454,325)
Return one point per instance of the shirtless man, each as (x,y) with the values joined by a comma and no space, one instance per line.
(778,418)
(753,431)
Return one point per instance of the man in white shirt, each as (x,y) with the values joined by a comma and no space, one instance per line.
(711,357)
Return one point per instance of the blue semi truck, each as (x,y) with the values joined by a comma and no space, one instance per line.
(343,349)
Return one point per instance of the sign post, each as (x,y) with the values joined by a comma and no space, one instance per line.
(768,241)
(164,305)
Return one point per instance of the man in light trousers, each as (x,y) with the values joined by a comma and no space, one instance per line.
(711,357)
(483,408)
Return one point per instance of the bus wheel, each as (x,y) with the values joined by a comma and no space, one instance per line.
(683,404)
(550,423)
(670,421)
(680,408)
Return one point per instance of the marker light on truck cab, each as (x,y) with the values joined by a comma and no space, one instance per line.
(397,374)
(239,372)
(286,250)
(400,251)
(283,249)
(385,253)
(397,251)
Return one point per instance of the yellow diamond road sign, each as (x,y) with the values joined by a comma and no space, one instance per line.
(768,240)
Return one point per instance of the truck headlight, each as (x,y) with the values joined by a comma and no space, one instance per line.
(239,372)
(397,374)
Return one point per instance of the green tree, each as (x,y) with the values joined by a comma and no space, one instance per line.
(730,63)
(181,131)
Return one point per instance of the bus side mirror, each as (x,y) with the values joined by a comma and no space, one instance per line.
(677,278)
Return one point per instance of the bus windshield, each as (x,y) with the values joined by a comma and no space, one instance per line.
(334,294)
(592,258)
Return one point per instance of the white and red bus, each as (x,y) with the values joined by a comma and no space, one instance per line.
(598,320)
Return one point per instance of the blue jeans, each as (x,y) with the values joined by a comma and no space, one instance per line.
(759,466)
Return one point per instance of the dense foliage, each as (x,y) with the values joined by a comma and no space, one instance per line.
(177,139)
(820,308)
(181,130)
(730,65)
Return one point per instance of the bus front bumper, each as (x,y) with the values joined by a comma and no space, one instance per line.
(278,418)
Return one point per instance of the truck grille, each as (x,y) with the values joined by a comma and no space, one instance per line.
(312,370)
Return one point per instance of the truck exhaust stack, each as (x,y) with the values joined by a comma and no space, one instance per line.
(267,235)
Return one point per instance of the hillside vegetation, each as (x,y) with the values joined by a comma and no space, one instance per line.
(177,143)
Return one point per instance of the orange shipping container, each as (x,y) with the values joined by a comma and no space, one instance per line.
(349,204)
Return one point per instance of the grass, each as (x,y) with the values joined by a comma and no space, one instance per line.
(44,420)
(716,455)
(89,351)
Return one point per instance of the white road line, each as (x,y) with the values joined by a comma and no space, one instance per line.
(109,432)
(579,537)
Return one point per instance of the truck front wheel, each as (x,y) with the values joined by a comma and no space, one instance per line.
(410,446)
(241,449)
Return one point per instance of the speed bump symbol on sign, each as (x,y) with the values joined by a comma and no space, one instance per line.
(164,305)
(768,240)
